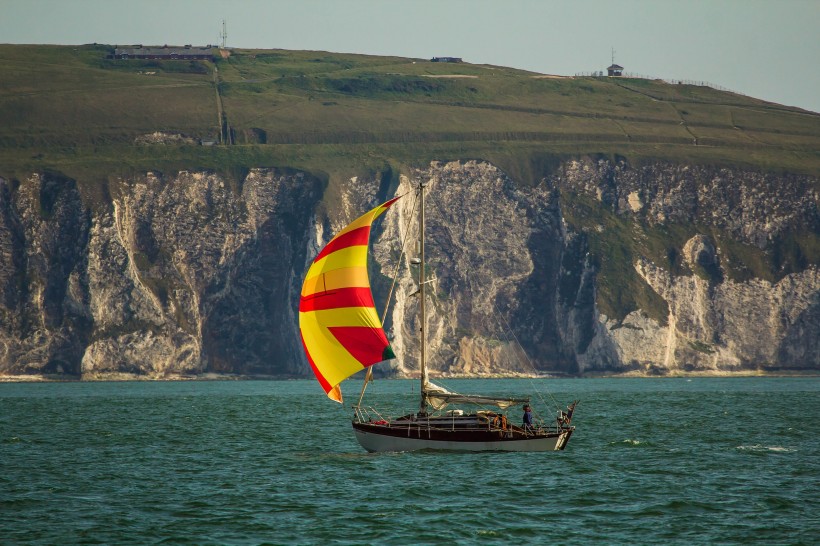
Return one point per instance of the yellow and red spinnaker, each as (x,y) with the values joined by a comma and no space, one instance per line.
(341,330)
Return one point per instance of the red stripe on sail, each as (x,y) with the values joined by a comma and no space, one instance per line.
(322,381)
(386,204)
(363,343)
(355,296)
(356,237)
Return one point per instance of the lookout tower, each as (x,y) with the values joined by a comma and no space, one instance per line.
(614,69)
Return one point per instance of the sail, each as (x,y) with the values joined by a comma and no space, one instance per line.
(439,397)
(341,331)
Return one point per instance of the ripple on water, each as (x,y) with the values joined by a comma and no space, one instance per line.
(629,442)
(759,448)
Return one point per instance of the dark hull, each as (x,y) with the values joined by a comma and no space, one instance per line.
(412,436)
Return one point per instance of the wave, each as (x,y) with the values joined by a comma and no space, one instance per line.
(761,448)
(628,442)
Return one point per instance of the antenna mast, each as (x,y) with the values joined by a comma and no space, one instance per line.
(224,34)
(613,53)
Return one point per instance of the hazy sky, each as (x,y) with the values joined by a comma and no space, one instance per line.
(764,48)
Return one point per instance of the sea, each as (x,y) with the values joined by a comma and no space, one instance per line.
(652,461)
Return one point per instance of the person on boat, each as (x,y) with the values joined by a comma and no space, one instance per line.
(527,418)
(562,419)
(565,418)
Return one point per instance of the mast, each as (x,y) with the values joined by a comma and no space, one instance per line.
(422,315)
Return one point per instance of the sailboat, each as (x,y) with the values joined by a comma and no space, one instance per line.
(342,334)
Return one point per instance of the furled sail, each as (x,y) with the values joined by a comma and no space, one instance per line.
(341,331)
(438,397)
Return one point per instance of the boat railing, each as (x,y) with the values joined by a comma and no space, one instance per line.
(367,414)
(450,425)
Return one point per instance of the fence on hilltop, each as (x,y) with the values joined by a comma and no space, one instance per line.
(602,74)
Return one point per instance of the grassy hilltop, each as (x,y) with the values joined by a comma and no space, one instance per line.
(71,110)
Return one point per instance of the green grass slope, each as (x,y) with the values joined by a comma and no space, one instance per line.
(69,109)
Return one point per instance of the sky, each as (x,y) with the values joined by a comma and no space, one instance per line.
(768,49)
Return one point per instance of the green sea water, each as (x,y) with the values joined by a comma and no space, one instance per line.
(653,461)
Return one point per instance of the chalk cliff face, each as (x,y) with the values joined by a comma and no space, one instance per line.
(188,274)
(720,316)
(168,276)
(495,254)
(46,317)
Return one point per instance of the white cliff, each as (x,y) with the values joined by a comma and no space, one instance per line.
(189,273)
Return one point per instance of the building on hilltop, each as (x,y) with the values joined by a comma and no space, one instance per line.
(173,53)
(446,60)
(614,70)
